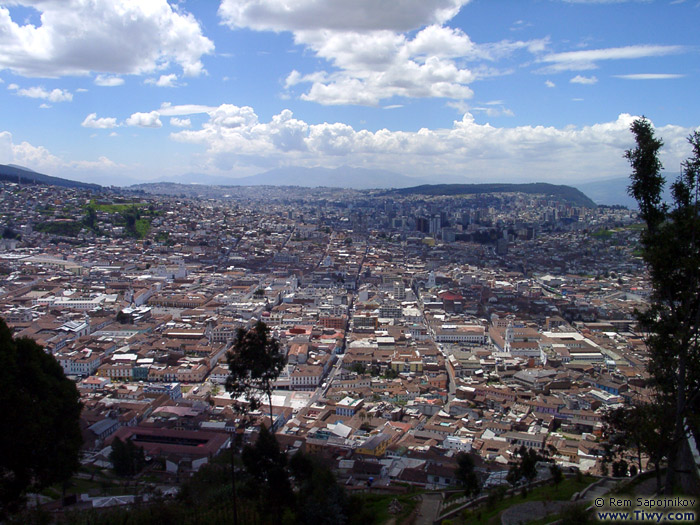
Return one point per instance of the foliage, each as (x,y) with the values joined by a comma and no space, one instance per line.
(41,438)
(671,250)
(127,459)
(267,480)
(525,466)
(644,428)
(254,362)
(557,474)
(67,228)
(90,219)
(566,193)
(466,475)
(358,367)
(620,468)
(9,233)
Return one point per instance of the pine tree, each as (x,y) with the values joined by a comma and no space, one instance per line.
(671,250)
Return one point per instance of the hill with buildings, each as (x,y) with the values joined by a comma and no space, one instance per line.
(566,193)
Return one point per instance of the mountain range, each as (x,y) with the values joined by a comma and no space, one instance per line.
(609,191)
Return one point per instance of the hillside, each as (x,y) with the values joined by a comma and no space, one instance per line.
(566,193)
(26,176)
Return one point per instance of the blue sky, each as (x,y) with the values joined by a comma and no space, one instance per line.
(124,91)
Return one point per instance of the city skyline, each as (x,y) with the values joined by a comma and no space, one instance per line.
(117,92)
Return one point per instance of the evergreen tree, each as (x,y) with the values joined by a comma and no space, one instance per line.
(268,481)
(466,475)
(254,362)
(40,438)
(127,459)
(671,250)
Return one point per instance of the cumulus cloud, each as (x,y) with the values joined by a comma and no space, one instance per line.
(579,79)
(40,159)
(108,81)
(358,15)
(371,48)
(180,122)
(91,121)
(234,137)
(55,95)
(378,65)
(164,81)
(145,120)
(25,154)
(549,84)
(77,37)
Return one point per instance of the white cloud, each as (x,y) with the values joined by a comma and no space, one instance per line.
(102,163)
(164,81)
(371,53)
(649,76)
(579,79)
(586,60)
(24,154)
(381,64)
(108,81)
(55,95)
(180,122)
(168,110)
(77,37)
(549,84)
(145,120)
(235,138)
(91,121)
(339,15)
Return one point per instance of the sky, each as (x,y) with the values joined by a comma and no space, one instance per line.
(127,91)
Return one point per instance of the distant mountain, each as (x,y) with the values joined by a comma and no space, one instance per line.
(13,173)
(614,191)
(608,192)
(566,193)
(343,177)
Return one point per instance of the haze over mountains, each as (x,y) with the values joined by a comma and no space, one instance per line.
(609,192)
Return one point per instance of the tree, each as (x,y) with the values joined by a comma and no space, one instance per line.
(268,481)
(671,251)
(41,438)
(620,468)
(254,362)
(524,467)
(557,474)
(466,475)
(127,459)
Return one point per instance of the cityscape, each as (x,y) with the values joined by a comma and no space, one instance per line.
(406,262)
(414,327)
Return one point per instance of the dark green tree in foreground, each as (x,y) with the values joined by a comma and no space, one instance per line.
(268,481)
(671,250)
(525,467)
(127,459)
(465,474)
(40,438)
(254,362)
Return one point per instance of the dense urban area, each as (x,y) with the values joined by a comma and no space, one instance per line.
(414,326)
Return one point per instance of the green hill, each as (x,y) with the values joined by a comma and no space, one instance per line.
(26,176)
(562,192)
